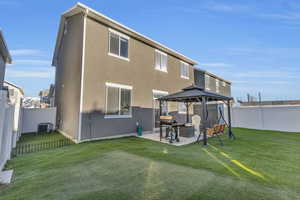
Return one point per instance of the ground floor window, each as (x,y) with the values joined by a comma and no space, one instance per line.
(182,108)
(118,100)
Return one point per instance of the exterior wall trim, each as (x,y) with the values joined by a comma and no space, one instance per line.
(82,76)
(115,136)
(67,136)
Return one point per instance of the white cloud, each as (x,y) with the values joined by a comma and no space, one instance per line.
(26,52)
(29,74)
(32,62)
(227,7)
(214,64)
(281,16)
(265,74)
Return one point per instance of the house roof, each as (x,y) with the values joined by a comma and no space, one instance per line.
(211,74)
(81,8)
(4,50)
(14,86)
(192,94)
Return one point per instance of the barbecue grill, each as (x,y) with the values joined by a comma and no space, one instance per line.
(171,128)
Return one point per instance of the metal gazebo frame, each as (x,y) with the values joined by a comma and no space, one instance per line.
(195,94)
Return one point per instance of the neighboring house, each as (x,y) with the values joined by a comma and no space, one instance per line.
(31,102)
(16,95)
(215,84)
(211,82)
(4,59)
(47,97)
(108,76)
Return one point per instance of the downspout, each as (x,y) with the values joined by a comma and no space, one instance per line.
(82,75)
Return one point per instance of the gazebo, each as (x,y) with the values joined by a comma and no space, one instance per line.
(195,94)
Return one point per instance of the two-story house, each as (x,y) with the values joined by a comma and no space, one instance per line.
(4,59)
(108,76)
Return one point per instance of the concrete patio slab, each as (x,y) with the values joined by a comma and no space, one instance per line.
(182,140)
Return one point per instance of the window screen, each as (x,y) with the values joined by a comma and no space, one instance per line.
(112,101)
(118,101)
(125,102)
(118,45)
(161,61)
(124,48)
(114,44)
(184,70)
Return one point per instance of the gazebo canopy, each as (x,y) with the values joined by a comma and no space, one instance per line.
(194,94)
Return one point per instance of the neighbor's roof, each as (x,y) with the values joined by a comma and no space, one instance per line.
(211,74)
(80,8)
(14,86)
(192,94)
(4,50)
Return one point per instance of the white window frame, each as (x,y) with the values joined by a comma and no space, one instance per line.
(207,81)
(120,36)
(184,64)
(159,68)
(217,86)
(223,83)
(120,86)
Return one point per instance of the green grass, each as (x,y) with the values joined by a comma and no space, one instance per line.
(257,165)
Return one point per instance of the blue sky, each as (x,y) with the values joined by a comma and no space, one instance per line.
(253,43)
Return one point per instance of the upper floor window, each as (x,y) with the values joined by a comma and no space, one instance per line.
(118,44)
(161,61)
(118,100)
(184,70)
(207,82)
(223,83)
(217,86)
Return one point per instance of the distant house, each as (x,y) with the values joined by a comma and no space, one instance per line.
(4,58)
(47,97)
(109,76)
(16,95)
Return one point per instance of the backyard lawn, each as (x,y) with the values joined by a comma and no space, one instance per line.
(257,165)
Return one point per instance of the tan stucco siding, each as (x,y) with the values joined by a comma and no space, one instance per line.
(2,71)
(68,77)
(139,72)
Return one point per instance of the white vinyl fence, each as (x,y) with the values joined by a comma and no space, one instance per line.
(6,129)
(32,117)
(281,118)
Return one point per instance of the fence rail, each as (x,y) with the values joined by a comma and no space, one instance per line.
(36,147)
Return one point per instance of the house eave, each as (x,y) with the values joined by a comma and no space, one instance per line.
(81,8)
(4,50)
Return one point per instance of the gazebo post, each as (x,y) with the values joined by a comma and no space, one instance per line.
(160,125)
(204,113)
(187,112)
(229,120)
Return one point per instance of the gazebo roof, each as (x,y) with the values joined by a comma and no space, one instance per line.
(192,94)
